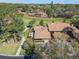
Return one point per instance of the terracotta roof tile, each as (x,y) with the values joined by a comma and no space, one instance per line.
(41,32)
(58,26)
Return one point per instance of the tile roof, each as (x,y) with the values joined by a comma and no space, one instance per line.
(58,26)
(41,32)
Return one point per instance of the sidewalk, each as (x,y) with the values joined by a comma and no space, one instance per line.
(20,47)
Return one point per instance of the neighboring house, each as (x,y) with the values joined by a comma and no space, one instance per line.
(46,33)
(31,14)
(38,14)
(41,14)
(76,33)
(19,10)
(7,20)
(54,28)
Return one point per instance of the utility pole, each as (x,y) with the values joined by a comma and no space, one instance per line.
(51,4)
(52,8)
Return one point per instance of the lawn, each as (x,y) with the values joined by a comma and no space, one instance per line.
(9,49)
(27,19)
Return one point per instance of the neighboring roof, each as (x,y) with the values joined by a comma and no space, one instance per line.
(76,33)
(38,14)
(41,32)
(7,20)
(58,26)
(76,30)
(31,14)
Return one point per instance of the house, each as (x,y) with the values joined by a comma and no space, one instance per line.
(38,14)
(41,34)
(53,30)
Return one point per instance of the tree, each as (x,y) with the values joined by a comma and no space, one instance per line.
(30,25)
(41,22)
(75,45)
(38,53)
(68,14)
(12,30)
(28,48)
(49,12)
(60,50)
(75,21)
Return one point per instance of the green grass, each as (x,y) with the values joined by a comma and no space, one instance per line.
(9,49)
(27,19)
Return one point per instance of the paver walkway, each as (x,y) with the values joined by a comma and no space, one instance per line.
(22,41)
(20,47)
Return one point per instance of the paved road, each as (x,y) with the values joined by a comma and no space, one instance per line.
(16,57)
